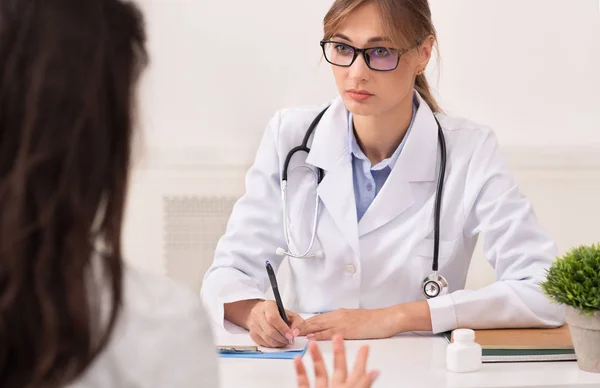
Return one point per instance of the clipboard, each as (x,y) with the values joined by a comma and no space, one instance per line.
(287,355)
(255,352)
(242,349)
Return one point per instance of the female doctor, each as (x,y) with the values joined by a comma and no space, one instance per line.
(401,193)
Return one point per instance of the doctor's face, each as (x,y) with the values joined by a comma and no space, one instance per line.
(365,91)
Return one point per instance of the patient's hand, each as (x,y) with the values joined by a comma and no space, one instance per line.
(358,377)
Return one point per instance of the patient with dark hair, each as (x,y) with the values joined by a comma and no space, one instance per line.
(71,312)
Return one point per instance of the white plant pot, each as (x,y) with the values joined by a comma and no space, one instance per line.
(585,332)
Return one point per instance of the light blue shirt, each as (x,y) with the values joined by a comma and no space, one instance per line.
(368,180)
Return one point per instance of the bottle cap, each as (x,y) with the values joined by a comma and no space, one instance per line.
(463,335)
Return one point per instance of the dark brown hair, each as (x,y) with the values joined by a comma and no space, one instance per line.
(67,76)
(404,21)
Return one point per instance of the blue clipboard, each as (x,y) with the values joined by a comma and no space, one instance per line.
(289,355)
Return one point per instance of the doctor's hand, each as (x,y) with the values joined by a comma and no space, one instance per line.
(268,329)
(351,324)
(358,378)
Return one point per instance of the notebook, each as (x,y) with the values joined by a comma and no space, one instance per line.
(524,345)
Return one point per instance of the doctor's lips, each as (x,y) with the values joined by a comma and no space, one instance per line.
(359,95)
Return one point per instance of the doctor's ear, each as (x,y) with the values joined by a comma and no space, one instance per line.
(424,51)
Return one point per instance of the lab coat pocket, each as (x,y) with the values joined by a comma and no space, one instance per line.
(424,249)
(423,256)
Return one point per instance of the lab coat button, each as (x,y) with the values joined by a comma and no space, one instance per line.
(350,270)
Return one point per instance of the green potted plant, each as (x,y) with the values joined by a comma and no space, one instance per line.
(573,280)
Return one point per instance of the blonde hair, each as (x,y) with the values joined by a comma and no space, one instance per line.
(406,22)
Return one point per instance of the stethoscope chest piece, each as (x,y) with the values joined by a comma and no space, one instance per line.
(434,285)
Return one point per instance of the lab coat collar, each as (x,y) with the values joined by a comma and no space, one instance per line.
(330,151)
(419,158)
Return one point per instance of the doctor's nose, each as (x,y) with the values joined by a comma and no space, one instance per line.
(359,70)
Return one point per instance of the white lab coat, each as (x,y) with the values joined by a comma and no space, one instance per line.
(382,260)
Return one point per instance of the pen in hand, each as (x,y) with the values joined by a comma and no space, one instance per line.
(275,288)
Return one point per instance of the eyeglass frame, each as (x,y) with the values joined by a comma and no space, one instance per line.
(363,51)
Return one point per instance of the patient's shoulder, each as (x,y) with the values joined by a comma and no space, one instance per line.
(162,338)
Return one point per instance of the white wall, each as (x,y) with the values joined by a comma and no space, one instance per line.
(529,68)
(220,69)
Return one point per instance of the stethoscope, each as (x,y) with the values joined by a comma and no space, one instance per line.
(434,284)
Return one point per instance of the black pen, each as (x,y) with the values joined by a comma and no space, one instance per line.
(276,292)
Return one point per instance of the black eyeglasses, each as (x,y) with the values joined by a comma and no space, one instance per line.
(376,58)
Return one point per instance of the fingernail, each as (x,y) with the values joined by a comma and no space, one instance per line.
(375,376)
(296,332)
(289,338)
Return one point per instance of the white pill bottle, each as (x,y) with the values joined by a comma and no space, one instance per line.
(463,355)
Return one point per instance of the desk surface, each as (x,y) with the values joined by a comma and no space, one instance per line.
(407,361)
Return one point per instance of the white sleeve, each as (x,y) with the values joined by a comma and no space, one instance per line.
(254,231)
(514,244)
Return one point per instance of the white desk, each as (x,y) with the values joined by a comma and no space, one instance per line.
(407,361)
